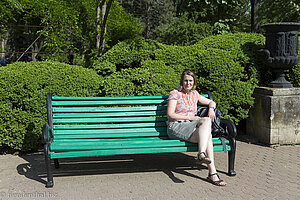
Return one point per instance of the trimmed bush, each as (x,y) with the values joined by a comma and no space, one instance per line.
(151,78)
(225,65)
(23,89)
(130,53)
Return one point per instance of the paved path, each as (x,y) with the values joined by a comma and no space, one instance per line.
(262,173)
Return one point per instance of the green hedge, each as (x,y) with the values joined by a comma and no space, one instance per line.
(225,65)
(23,89)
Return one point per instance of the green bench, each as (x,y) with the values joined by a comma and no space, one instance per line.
(96,126)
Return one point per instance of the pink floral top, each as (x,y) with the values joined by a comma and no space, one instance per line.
(186,102)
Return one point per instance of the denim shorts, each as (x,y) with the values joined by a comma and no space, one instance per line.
(181,130)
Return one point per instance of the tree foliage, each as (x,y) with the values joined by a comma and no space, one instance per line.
(8,9)
(151,13)
(159,16)
(279,11)
(184,31)
(65,25)
(121,26)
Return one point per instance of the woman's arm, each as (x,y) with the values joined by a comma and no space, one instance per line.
(172,115)
(211,104)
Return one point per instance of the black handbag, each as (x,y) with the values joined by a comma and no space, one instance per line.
(216,129)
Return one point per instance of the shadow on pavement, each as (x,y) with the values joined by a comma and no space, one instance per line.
(168,163)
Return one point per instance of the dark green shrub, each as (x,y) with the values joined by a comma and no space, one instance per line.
(246,46)
(219,72)
(131,52)
(231,87)
(23,89)
(151,78)
(225,65)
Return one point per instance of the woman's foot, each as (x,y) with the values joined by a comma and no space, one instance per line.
(202,158)
(215,179)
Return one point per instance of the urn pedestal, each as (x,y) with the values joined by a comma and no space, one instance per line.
(275,118)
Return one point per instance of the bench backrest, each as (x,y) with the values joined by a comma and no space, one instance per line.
(107,117)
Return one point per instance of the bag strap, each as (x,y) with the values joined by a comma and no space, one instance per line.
(224,144)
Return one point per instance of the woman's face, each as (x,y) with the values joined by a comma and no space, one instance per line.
(188,82)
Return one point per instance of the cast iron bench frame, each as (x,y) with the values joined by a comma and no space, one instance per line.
(96,126)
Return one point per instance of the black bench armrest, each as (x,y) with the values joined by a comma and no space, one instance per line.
(229,127)
(47,135)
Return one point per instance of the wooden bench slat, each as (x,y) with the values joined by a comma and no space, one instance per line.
(108,109)
(112,114)
(109,135)
(97,145)
(110,131)
(114,139)
(79,146)
(70,154)
(104,126)
(109,120)
(108,98)
(99,103)
(153,139)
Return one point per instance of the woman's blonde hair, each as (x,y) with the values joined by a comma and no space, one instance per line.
(189,72)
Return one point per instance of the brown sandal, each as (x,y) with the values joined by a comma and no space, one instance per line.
(204,160)
(217,183)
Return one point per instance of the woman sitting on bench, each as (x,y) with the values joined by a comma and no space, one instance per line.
(183,123)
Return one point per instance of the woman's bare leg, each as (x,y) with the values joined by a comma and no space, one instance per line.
(205,144)
(210,155)
(211,167)
(201,135)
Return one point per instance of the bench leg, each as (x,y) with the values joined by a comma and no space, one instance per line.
(48,166)
(231,157)
(56,163)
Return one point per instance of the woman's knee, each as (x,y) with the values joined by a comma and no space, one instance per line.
(205,121)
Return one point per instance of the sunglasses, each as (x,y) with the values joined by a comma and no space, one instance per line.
(189,70)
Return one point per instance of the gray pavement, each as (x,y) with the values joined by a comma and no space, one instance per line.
(262,173)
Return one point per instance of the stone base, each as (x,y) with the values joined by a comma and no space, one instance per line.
(275,116)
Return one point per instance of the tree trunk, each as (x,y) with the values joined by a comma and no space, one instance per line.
(147,34)
(102,3)
(105,11)
(36,48)
(4,40)
(254,16)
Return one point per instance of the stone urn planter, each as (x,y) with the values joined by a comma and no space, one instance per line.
(281,50)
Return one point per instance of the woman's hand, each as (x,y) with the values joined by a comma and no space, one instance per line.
(211,114)
(211,104)
(194,118)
